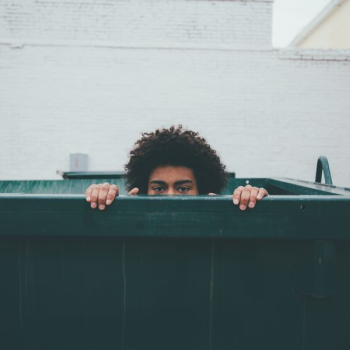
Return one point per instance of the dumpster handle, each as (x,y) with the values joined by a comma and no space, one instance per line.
(323,165)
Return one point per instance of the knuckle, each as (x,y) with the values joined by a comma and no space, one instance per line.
(114,188)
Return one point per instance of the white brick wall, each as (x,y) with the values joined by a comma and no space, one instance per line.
(91,80)
(138,22)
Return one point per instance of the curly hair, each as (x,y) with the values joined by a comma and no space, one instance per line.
(175,147)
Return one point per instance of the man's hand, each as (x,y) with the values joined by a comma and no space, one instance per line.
(103,194)
(247,196)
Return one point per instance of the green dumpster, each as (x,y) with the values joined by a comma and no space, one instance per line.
(157,272)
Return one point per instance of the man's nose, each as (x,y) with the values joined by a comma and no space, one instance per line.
(171,191)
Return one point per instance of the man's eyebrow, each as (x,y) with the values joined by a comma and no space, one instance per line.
(183,182)
(180,182)
(158,182)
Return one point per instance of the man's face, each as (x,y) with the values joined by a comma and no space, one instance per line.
(172,180)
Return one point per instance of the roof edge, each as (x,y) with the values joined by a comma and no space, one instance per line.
(322,16)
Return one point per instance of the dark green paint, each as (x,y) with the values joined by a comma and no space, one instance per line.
(323,167)
(174,272)
(78,175)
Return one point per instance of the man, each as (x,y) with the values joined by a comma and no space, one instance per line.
(173,162)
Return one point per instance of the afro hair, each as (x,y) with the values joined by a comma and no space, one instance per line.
(175,147)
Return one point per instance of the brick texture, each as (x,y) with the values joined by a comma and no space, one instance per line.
(90,76)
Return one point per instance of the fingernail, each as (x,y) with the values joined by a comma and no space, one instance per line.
(88,199)
(235,201)
(242,207)
(101,207)
(251,205)
(93,205)
(259,196)
(108,201)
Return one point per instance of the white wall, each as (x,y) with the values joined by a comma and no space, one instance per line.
(89,77)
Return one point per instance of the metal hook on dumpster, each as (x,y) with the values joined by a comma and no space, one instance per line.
(323,166)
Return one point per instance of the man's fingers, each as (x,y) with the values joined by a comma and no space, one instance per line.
(88,193)
(102,196)
(262,193)
(134,191)
(94,195)
(241,196)
(237,195)
(252,200)
(211,194)
(245,195)
(112,193)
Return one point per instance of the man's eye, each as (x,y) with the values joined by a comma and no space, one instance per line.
(183,189)
(158,189)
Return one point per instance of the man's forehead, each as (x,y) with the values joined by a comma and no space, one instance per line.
(172,173)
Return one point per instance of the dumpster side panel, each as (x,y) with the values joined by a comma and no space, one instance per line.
(142,293)
(153,272)
(11,316)
(64,293)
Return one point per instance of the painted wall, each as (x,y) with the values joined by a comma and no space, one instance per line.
(90,77)
(333,32)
